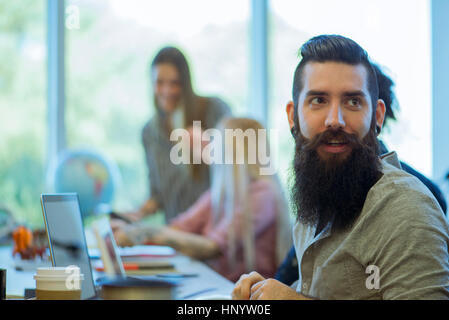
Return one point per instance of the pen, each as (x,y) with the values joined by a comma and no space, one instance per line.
(131,267)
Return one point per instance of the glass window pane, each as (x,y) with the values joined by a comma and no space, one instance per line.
(109,96)
(23,107)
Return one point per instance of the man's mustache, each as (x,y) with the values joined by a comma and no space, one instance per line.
(329,136)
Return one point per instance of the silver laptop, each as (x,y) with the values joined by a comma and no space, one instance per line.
(67,242)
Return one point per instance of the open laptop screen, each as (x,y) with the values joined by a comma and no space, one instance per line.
(65,231)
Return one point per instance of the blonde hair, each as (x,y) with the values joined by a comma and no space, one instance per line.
(230,190)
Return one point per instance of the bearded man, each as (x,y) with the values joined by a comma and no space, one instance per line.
(365,228)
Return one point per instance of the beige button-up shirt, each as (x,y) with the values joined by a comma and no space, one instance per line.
(396,249)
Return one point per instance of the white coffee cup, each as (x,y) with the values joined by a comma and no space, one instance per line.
(58,283)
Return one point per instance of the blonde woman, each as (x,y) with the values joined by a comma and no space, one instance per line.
(239,225)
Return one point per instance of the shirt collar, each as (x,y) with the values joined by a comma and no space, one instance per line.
(392,159)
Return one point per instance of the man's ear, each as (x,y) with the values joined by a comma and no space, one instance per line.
(290,109)
(380,113)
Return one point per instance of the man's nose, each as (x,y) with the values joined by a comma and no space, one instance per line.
(334,118)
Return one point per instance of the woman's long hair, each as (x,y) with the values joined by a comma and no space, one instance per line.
(230,187)
(194,106)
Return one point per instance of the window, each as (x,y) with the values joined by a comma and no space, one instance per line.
(23,107)
(396,35)
(107,60)
(108,92)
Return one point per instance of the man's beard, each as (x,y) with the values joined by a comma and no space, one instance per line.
(333,189)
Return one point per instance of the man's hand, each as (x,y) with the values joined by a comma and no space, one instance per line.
(271,289)
(255,287)
(242,289)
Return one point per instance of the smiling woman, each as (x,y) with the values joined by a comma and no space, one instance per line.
(109,88)
(167,86)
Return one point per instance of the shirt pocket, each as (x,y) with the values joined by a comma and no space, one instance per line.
(330,282)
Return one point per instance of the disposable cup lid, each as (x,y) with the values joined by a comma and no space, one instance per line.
(54,273)
(55,278)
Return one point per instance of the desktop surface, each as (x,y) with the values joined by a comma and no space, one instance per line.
(206,281)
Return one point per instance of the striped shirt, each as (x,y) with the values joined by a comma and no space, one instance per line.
(172,185)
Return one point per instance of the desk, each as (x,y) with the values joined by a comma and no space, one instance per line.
(17,281)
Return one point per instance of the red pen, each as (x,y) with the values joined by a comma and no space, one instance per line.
(127,267)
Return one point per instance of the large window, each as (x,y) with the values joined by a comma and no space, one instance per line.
(23,123)
(107,60)
(108,90)
(396,34)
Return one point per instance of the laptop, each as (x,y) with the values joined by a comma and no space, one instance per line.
(132,261)
(67,244)
(113,265)
(65,232)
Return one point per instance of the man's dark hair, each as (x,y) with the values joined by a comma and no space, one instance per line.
(333,48)
(386,93)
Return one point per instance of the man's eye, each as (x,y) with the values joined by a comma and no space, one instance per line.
(317,100)
(354,102)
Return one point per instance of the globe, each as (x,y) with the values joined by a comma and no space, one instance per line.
(92,176)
